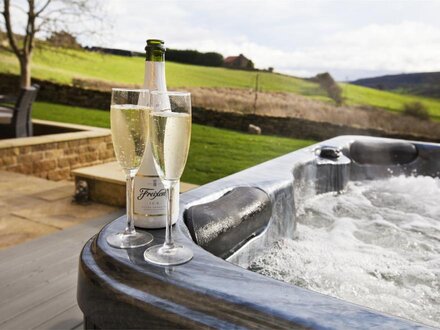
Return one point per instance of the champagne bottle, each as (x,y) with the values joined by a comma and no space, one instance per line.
(150,201)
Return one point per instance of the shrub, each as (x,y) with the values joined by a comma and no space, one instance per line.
(416,109)
(250,65)
(327,83)
(194,57)
(63,39)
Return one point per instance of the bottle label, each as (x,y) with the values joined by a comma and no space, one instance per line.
(150,197)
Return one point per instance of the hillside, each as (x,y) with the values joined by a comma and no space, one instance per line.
(424,83)
(69,66)
(65,65)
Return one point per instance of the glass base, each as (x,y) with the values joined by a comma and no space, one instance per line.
(125,241)
(165,256)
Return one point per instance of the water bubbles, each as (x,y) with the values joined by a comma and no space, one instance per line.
(376,245)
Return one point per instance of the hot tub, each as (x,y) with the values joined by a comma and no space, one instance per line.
(228,223)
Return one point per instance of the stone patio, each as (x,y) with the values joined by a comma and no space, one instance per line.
(31,207)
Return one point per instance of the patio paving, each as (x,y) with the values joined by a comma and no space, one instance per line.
(31,207)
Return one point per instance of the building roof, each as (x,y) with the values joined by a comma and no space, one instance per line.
(230,59)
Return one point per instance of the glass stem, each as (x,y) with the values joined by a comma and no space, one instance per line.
(169,186)
(129,230)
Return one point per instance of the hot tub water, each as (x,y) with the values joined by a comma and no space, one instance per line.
(377,245)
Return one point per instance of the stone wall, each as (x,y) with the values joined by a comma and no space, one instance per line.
(280,126)
(57,93)
(54,156)
(290,127)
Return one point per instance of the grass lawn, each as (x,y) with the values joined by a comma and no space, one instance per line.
(214,153)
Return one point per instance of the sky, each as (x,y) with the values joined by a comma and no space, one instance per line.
(351,39)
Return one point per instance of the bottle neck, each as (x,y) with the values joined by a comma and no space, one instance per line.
(154,54)
(154,78)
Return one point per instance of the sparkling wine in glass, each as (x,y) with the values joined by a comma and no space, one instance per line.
(129,116)
(170,134)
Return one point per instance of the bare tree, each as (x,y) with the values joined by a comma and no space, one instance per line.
(43,16)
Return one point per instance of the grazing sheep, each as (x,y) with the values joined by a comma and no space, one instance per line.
(252,129)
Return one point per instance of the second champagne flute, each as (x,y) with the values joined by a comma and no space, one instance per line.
(170,134)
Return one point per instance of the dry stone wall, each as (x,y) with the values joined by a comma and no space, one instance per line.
(280,126)
(290,127)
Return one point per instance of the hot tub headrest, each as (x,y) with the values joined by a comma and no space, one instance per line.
(224,225)
(383,152)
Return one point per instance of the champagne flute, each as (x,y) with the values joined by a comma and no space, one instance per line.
(129,124)
(170,134)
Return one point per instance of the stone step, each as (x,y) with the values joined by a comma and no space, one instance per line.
(106,183)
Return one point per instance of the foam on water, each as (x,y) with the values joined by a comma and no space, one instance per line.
(376,245)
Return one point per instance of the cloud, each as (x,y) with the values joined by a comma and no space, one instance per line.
(302,38)
(408,46)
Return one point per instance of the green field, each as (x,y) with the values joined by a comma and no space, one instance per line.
(214,153)
(358,95)
(63,65)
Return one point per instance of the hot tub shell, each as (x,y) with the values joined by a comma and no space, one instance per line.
(118,289)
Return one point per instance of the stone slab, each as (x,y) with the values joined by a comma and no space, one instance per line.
(63,213)
(14,230)
(106,183)
(57,193)
(31,207)
(80,132)
(108,172)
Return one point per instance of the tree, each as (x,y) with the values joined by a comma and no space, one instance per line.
(333,90)
(63,39)
(42,16)
(416,109)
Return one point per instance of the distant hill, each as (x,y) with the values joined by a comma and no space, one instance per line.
(425,83)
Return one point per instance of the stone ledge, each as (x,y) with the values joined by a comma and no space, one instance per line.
(108,172)
(71,126)
(79,132)
(53,156)
(106,183)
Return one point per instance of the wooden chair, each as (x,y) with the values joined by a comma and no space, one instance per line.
(17,121)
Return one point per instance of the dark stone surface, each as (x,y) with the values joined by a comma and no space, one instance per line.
(118,289)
